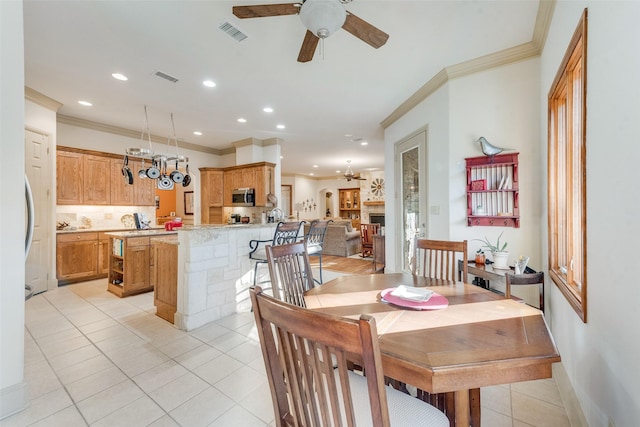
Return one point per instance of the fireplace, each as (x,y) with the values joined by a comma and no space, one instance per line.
(376,218)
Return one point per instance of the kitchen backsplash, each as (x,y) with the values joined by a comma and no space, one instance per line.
(101,217)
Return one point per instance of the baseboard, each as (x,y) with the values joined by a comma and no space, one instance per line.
(568,395)
(13,399)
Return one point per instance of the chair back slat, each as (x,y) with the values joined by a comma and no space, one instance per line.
(307,364)
(438,259)
(367,231)
(290,272)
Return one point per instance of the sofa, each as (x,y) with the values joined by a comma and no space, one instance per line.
(341,239)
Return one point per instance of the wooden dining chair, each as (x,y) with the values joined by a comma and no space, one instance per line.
(305,355)
(314,240)
(525,279)
(437,259)
(367,231)
(290,272)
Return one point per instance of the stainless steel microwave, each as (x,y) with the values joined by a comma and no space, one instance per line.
(243,197)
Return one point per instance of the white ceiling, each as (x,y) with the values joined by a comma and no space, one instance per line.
(73,47)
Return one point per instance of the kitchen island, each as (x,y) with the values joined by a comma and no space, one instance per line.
(215,272)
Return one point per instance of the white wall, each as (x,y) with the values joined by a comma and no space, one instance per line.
(601,356)
(13,395)
(499,104)
(432,113)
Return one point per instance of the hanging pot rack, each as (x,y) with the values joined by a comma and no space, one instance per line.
(159,161)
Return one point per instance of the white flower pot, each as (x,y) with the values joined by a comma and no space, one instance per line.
(501,260)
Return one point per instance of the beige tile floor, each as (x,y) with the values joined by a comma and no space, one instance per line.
(94,359)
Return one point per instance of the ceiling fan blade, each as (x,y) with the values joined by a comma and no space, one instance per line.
(308,47)
(365,31)
(262,10)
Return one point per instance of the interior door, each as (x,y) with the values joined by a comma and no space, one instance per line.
(411,186)
(37,171)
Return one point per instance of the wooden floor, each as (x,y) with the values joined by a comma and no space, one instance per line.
(344,265)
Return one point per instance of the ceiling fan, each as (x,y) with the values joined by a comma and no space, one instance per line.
(321,18)
(349,175)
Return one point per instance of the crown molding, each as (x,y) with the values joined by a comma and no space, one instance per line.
(101,127)
(41,99)
(506,56)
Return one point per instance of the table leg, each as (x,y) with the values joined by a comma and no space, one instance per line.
(462,407)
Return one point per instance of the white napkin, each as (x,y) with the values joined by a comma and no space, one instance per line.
(412,294)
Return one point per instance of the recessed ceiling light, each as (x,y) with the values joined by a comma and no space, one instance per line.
(347,135)
(241,120)
(197,132)
(280,126)
(337,171)
(209,83)
(281,157)
(267,110)
(364,143)
(311,174)
(315,166)
(119,76)
(85,103)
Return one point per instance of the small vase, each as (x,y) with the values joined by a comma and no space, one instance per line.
(480,258)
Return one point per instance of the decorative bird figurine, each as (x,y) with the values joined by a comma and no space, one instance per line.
(489,149)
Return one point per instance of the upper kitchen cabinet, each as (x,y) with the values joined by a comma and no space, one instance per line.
(69,178)
(211,199)
(259,176)
(96,178)
(144,189)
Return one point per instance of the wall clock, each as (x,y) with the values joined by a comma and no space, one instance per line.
(377,187)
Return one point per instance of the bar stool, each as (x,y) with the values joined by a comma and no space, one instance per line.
(286,232)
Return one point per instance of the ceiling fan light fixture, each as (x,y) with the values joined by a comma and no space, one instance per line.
(323,17)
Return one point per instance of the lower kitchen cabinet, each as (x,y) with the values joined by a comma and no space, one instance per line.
(81,256)
(131,262)
(129,266)
(165,278)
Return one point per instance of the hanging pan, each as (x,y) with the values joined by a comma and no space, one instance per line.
(126,172)
(187,178)
(154,171)
(176,175)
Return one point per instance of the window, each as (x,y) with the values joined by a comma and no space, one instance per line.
(567,173)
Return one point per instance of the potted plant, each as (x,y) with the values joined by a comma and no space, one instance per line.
(500,255)
(480,258)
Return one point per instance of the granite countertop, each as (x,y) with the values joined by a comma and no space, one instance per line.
(160,230)
(95,230)
(141,233)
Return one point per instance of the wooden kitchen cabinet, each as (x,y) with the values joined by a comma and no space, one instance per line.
(121,191)
(129,266)
(77,257)
(103,254)
(96,180)
(259,176)
(165,278)
(211,195)
(69,189)
(144,189)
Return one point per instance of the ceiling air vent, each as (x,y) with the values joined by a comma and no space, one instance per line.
(235,33)
(165,76)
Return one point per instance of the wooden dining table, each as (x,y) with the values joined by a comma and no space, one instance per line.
(479,339)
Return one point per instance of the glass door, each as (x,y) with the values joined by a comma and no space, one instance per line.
(412,188)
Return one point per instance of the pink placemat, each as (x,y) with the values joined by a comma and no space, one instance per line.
(436,302)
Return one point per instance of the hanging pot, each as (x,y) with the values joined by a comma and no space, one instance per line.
(142,173)
(126,172)
(165,183)
(187,178)
(153,172)
(176,175)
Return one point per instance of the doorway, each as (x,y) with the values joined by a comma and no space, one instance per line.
(285,193)
(37,170)
(411,185)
